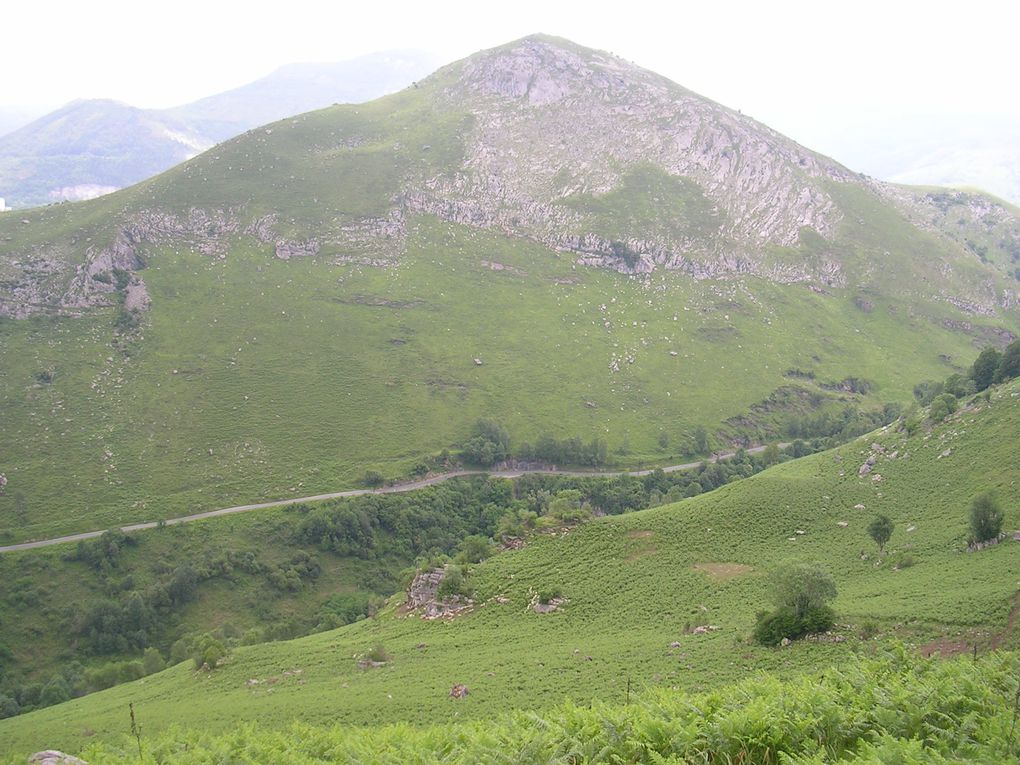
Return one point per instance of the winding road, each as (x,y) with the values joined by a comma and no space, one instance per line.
(394,489)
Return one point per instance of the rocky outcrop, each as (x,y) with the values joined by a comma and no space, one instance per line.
(543,107)
(423,596)
(54,757)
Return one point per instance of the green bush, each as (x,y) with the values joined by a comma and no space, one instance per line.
(985,518)
(942,406)
(549,594)
(785,623)
(454,583)
(208,652)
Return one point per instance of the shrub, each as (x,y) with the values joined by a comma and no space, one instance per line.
(985,518)
(209,652)
(379,654)
(373,478)
(9,707)
(905,561)
(346,608)
(454,584)
(549,594)
(1009,364)
(152,661)
(942,406)
(785,623)
(489,444)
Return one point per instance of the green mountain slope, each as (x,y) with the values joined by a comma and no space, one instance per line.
(624,259)
(944,712)
(93,147)
(635,585)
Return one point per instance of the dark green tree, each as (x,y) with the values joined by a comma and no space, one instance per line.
(880,529)
(802,587)
(982,371)
(1009,364)
(985,518)
(489,444)
(801,592)
(700,440)
(474,549)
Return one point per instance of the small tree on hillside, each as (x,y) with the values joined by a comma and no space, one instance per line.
(1009,364)
(985,518)
(880,529)
(982,371)
(801,592)
(802,587)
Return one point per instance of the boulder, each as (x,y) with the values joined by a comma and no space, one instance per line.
(53,757)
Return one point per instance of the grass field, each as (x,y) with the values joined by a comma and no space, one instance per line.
(635,584)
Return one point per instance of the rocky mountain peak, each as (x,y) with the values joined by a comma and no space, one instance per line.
(559,129)
(542,70)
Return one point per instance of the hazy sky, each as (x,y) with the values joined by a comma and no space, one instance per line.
(798,66)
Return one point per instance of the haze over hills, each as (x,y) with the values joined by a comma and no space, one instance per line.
(981,153)
(541,234)
(92,147)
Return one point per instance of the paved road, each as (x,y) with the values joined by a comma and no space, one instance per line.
(394,489)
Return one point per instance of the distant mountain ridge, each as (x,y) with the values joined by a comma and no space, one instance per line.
(91,147)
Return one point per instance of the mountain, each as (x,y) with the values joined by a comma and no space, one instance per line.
(298,88)
(540,235)
(93,147)
(660,599)
(89,148)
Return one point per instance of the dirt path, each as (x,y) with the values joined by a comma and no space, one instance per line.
(394,489)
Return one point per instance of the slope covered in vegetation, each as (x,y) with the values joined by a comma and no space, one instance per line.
(893,708)
(660,598)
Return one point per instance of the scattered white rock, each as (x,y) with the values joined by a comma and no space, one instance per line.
(842,524)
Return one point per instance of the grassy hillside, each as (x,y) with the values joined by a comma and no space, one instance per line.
(257,378)
(634,585)
(957,711)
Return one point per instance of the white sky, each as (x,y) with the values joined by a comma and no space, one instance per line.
(802,67)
